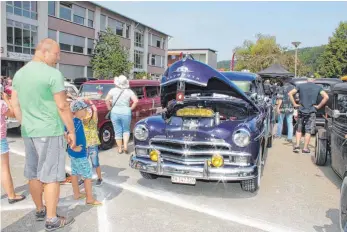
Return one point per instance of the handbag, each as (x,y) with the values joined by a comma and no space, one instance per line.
(107,116)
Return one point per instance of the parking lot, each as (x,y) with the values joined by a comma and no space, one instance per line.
(295,195)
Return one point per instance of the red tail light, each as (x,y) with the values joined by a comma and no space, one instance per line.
(180,96)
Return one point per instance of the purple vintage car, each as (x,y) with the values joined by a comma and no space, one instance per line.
(210,130)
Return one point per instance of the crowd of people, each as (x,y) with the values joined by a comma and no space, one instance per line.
(53,123)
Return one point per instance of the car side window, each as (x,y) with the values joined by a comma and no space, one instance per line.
(71,91)
(341,105)
(139,92)
(151,91)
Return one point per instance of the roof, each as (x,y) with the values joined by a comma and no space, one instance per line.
(97,4)
(240,76)
(275,70)
(328,80)
(191,49)
(131,82)
(340,87)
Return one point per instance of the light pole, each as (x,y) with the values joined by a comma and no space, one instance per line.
(296,45)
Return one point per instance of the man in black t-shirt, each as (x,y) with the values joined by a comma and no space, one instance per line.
(307,109)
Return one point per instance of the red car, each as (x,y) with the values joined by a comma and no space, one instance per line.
(147,92)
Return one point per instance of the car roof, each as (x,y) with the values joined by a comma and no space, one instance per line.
(327,80)
(132,83)
(240,76)
(340,87)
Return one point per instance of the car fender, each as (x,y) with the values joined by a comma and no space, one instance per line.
(322,134)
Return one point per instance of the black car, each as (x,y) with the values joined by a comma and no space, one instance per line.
(80,80)
(331,141)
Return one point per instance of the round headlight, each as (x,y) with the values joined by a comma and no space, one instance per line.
(241,138)
(141,132)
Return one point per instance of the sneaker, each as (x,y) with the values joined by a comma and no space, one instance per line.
(59,223)
(41,215)
(296,149)
(307,151)
(98,182)
(80,182)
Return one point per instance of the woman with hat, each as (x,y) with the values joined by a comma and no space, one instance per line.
(118,101)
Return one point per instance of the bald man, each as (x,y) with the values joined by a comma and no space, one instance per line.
(39,102)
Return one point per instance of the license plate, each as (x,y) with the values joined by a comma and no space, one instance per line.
(183,180)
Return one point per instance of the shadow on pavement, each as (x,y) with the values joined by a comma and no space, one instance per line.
(333,215)
(28,223)
(329,172)
(24,190)
(202,188)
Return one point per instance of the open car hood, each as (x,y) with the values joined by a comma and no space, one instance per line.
(198,78)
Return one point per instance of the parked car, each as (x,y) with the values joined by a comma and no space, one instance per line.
(210,130)
(149,103)
(331,141)
(12,123)
(253,85)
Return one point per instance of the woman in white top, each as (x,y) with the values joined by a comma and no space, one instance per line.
(118,100)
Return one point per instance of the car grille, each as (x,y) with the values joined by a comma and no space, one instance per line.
(190,152)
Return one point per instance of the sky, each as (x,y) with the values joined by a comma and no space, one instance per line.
(222,26)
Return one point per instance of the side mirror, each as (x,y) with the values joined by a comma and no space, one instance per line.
(336,114)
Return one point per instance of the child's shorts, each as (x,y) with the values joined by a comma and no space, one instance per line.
(93,154)
(4,146)
(81,167)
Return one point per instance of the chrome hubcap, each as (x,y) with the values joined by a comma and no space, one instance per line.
(106,135)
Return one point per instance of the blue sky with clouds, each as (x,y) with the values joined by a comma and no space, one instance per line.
(224,25)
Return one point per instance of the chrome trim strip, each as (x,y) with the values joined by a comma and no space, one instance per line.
(185,80)
(176,141)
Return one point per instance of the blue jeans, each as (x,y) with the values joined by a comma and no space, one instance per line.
(289,118)
(93,154)
(121,125)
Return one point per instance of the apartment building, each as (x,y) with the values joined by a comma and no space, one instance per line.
(75,26)
(205,55)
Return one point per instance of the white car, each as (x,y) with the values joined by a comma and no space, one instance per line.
(70,88)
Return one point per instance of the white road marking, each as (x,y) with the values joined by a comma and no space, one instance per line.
(174,200)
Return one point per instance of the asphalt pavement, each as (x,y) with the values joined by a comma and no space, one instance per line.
(295,195)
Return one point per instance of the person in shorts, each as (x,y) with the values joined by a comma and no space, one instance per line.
(80,165)
(307,109)
(39,104)
(6,178)
(90,125)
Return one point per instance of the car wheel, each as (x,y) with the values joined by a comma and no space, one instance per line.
(253,185)
(320,154)
(106,135)
(343,205)
(148,176)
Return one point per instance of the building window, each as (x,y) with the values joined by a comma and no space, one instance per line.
(27,9)
(65,10)
(156,60)
(52,34)
(138,58)
(139,39)
(21,37)
(71,43)
(90,47)
(127,31)
(90,18)
(103,22)
(71,71)
(78,14)
(156,41)
(89,72)
(51,8)
(116,26)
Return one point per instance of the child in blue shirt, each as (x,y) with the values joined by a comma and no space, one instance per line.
(80,165)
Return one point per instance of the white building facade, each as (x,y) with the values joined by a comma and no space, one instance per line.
(205,55)
(75,26)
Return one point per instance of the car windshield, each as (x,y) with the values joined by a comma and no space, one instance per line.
(95,91)
(326,87)
(245,86)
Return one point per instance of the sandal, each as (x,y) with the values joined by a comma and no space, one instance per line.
(126,152)
(14,200)
(82,196)
(94,203)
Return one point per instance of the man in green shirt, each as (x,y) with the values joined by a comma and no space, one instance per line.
(39,102)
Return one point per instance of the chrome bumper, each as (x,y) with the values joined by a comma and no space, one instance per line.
(12,123)
(203,172)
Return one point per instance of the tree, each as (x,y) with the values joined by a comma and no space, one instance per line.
(110,59)
(333,62)
(256,56)
(142,75)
